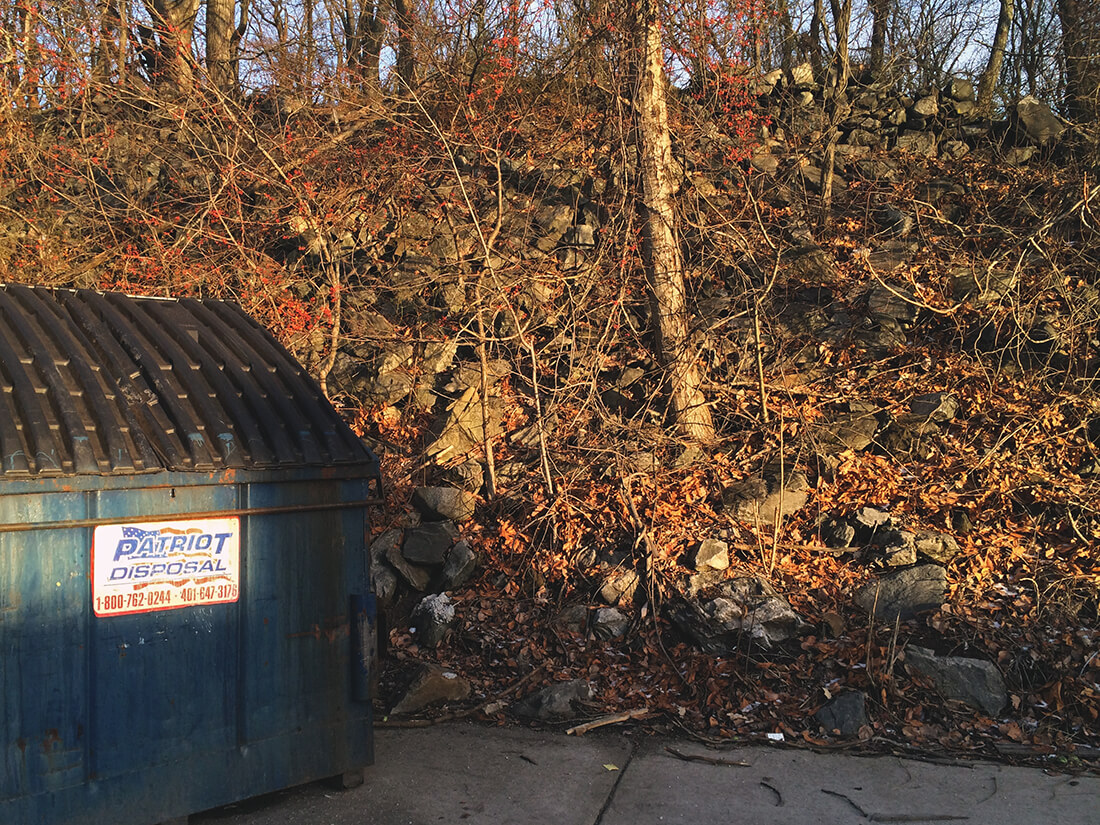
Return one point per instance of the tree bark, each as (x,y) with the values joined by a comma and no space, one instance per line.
(661,247)
(364,28)
(405,63)
(174,25)
(837,103)
(786,30)
(1081,49)
(817,22)
(880,17)
(220,27)
(992,73)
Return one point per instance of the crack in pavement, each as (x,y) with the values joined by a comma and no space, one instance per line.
(618,781)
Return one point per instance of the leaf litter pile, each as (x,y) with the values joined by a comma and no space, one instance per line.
(1012,477)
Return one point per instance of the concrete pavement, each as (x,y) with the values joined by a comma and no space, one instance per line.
(459,773)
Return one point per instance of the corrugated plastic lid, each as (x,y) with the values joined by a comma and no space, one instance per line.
(102,383)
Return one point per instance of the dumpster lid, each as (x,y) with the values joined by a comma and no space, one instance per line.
(97,383)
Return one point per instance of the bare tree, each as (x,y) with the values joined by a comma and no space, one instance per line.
(167,46)
(880,21)
(1081,52)
(996,57)
(663,259)
(223,40)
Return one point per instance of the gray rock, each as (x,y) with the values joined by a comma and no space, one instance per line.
(609,623)
(1035,119)
(896,222)
(905,593)
(954,149)
(432,619)
(845,713)
(554,219)
(909,437)
(891,301)
(935,190)
(765,162)
(384,582)
(854,430)
(617,584)
(573,618)
(960,522)
(939,547)
(738,611)
(873,518)
(462,429)
(837,533)
(390,387)
(809,263)
(553,703)
(917,143)
(888,256)
(981,286)
(428,544)
(581,235)
(381,547)
(958,89)
(460,565)
(438,356)
(416,577)
(936,406)
(1019,155)
(773,493)
(431,684)
(974,681)
(469,476)
(467,374)
(927,106)
(713,554)
(899,548)
(802,75)
(444,503)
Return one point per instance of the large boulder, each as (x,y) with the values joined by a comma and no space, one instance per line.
(778,492)
(733,613)
(430,685)
(845,714)
(553,703)
(432,619)
(1036,123)
(905,593)
(973,681)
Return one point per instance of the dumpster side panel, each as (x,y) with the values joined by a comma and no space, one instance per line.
(163,683)
(301,571)
(43,630)
(146,717)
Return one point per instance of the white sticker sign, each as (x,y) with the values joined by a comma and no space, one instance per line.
(139,568)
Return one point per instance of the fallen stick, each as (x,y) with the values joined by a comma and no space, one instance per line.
(613,719)
(710,760)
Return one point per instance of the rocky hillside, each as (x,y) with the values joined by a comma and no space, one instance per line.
(895,538)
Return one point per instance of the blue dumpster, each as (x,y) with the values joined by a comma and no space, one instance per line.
(186,616)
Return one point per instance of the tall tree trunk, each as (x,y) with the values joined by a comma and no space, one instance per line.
(174,25)
(661,248)
(1081,49)
(786,32)
(220,27)
(880,18)
(817,23)
(837,103)
(405,63)
(992,71)
(364,29)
